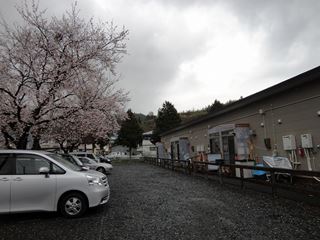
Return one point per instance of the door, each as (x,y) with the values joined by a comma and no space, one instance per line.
(184,147)
(231,149)
(5,182)
(228,149)
(31,191)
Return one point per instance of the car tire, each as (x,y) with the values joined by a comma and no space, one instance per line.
(73,205)
(102,170)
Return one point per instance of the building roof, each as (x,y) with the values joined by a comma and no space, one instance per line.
(147,133)
(286,85)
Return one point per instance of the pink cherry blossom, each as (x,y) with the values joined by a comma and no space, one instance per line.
(57,77)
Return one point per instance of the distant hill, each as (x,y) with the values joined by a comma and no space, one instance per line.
(191,115)
(147,122)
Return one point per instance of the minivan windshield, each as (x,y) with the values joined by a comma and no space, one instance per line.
(64,162)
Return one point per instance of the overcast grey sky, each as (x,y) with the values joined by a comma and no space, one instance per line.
(191,52)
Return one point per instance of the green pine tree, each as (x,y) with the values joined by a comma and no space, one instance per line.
(130,133)
(167,119)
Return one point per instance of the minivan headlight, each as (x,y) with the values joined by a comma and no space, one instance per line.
(92,180)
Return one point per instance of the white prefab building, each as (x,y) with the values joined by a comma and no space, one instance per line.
(282,120)
(148,148)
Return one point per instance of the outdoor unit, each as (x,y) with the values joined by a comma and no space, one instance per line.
(306,140)
(289,142)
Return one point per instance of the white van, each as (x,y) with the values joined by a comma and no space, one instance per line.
(43,181)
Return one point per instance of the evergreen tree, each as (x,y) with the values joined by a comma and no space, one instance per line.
(216,106)
(130,133)
(167,119)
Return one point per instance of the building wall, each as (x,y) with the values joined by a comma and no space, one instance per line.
(297,109)
(148,149)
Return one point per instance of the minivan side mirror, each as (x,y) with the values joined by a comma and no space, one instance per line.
(44,170)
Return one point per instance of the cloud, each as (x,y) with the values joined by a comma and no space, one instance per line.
(191,52)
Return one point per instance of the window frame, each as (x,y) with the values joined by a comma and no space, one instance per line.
(11,159)
(51,172)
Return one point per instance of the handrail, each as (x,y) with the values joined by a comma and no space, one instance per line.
(192,166)
(267,169)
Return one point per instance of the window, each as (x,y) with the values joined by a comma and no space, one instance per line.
(90,156)
(192,149)
(215,143)
(28,164)
(66,160)
(56,169)
(84,160)
(5,166)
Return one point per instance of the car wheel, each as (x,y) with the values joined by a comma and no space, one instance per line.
(102,170)
(73,205)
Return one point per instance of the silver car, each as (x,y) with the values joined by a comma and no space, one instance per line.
(104,168)
(86,154)
(43,181)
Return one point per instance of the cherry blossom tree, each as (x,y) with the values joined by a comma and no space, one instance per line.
(57,77)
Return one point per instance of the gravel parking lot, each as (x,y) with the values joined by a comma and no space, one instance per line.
(148,202)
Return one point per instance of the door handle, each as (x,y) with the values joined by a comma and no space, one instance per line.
(18,179)
(4,179)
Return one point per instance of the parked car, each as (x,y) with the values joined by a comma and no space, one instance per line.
(43,181)
(74,160)
(104,159)
(86,154)
(104,168)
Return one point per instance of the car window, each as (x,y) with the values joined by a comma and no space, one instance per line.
(27,164)
(90,156)
(60,159)
(5,166)
(91,161)
(77,161)
(85,160)
(68,158)
(57,170)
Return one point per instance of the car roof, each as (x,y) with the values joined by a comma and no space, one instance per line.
(81,153)
(24,151)
(85,158)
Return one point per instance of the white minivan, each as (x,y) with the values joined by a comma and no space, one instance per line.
(43,181)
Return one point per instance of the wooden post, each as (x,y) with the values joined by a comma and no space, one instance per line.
(220,174)
(273,183)
(206,166)
(188,167)
(241,175)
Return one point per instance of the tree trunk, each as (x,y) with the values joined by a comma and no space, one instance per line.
(63,148)
(23,141)
(72,147)
(7,139)
(93,147)
(36,143)
(130,152)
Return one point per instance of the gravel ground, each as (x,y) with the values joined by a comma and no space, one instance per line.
(148,202)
